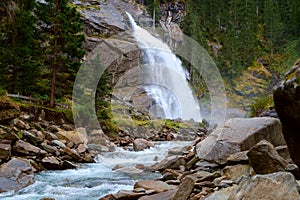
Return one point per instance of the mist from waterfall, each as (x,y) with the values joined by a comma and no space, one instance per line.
(165,78)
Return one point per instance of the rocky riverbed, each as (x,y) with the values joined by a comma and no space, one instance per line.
(246,158)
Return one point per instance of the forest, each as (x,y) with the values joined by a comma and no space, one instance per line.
(41,42)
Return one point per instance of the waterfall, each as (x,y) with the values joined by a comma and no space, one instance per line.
(165,79)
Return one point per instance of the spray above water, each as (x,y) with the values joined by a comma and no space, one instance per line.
(165,78)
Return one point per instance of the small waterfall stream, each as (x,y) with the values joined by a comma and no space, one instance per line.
(165,78)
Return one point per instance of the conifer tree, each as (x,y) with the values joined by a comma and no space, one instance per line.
(63,38)
(19,64)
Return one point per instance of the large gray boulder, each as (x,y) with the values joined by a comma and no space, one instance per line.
(15,175)
(287,105)
(276,186)
(239,134)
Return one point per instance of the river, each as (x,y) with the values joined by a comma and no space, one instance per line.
(92,181)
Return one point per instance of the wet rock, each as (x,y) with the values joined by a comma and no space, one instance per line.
(99,148)
(49,148)
(58,143)
(15,175)
(179,150)
(25,148)
(167,195)
(287,105)
(51,163)
(185,188)
(82,148)
(141,144)
(73,153)
(171,162)
(127,195)
(276,186)
(264,158)
(108,197)
(68,165)
(5,149)
(239,134)
(157,186)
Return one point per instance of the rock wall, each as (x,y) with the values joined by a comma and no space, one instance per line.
(287,105)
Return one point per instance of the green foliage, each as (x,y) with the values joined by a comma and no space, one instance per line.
(2,92)
(261,104)
(246,30)
(35,39)
(19,48)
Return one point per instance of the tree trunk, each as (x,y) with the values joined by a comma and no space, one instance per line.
(55,63)
(153,15)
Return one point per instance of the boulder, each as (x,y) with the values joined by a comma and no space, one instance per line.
(108,197)
(141,144)
(264,158)
(20,124)
(50,136)
(287,105)
(171,162)
(82,148)
(58,143)
(73,136)
(15,175)
(235,172)
(25,148)
(157,186)
(49,148)
(7,134)
(51,163)
(128,195)
(185,188)
(167,195)
(32,139)
(239,134)
(238,158)
(5,149)
(276,186)
(73,153)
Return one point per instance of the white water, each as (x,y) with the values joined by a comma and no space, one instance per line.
(92,181)
(165,78)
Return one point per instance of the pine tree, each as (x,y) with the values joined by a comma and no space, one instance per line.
(19,63)
(61,29)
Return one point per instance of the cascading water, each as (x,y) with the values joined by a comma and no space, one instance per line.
(165,78)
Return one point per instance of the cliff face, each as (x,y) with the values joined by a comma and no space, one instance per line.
(108,35)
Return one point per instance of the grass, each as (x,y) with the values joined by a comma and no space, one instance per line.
(261,104)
